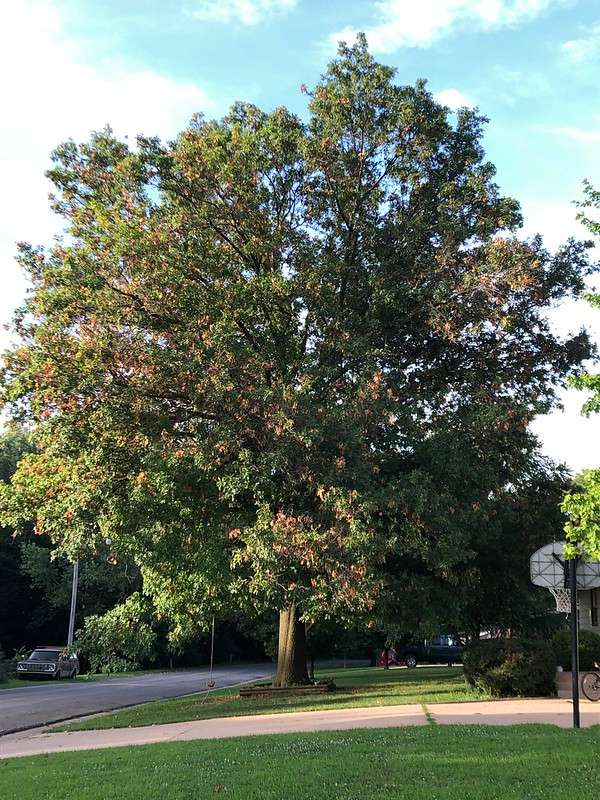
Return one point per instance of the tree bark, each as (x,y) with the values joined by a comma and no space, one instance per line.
(291,656)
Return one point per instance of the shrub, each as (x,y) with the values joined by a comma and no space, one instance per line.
(8,666)
(120,640)
(4,667)
(511,667)
(589,649)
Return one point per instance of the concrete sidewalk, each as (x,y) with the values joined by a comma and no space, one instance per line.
(552,711)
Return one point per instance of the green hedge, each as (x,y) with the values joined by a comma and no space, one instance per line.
(589,649)
(511,667)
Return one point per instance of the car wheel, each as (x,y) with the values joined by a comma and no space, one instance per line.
(410,661)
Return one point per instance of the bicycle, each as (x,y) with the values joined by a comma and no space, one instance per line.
(590,684)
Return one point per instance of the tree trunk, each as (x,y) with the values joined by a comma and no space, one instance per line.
(291,656)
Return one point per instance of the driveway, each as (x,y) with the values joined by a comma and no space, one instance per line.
(33,706)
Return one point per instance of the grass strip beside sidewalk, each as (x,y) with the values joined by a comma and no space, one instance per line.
(532,762)
(15,683)
(357,688)
(20,683)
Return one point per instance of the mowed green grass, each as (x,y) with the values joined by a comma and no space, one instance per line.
(15,683)
(527,762)
(368,686)
(18,683)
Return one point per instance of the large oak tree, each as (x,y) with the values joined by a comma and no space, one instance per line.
(254,342)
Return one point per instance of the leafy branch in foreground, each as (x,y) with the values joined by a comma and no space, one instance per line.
(582,505)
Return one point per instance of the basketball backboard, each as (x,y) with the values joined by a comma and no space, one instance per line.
(546,569)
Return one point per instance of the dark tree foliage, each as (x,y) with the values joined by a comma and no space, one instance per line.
(19,615)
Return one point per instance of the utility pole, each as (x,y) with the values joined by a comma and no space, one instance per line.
(73,603)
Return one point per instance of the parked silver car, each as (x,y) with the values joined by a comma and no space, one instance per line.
(54,662)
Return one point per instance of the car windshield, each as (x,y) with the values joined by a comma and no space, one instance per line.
(44,655)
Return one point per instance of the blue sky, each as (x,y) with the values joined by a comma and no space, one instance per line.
(532,66)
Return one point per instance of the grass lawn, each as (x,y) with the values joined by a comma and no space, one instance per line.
(367,686)
(526,762)
(17,683)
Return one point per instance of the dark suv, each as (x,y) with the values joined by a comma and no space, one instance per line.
(444,649)
(53,662)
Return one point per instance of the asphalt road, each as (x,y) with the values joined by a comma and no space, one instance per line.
(41,704)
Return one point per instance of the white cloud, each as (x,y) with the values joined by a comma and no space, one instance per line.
(556,221)
(578,134)
(248,12)
(511,86)
(586,47)
(565,434)
(49,93)
(453,98)
(406,23)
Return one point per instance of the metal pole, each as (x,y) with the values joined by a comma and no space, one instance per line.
(211,682)
(73,603)
(574,641)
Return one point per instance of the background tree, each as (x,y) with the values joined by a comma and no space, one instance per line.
(104,579)
(497,594)
(491,589)
(263,343)
(17,600)
(124,638)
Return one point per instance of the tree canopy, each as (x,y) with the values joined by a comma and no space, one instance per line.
(274,356)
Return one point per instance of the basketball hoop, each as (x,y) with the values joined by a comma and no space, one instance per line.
(562,597)
(565,577)
(550,569)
